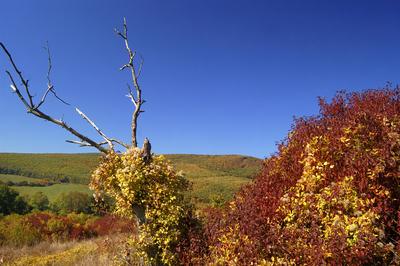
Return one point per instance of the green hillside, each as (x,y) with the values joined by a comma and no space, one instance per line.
(75,167)
(214,177)
(17,178)
(216,165)
(53,191)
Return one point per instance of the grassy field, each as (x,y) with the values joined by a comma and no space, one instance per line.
(53,191)
(18,178)
(214,177)
(215,189)
(76,167)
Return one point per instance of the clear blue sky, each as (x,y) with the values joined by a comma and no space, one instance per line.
(220,77)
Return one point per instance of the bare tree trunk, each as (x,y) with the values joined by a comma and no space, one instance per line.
(136,100)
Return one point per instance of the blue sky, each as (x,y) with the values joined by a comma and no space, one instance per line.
(220,77)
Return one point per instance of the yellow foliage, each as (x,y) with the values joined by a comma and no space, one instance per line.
(336,208)
(153,186)
(228,251)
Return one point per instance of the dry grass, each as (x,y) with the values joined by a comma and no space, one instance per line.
(99,251)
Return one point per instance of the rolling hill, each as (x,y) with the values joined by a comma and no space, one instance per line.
(215,178)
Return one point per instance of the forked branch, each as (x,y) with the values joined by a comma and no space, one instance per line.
(28,101)
(50,87)
(34,108)
(136,99)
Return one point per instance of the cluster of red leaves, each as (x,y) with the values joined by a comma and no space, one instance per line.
(53,227)
(193,244)
(110,224)
(361,132)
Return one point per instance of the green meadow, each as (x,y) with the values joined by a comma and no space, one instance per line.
(53,191)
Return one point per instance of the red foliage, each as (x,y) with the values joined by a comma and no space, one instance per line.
(110,224)
(193,245)
(55,227)
(362,132)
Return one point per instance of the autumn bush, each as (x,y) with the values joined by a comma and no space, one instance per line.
(14,231)
(110,225)
(330,195)
(30,229)
(153,192)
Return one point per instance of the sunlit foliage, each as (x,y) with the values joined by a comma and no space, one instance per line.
(156,189)
(26,230)
(330,195)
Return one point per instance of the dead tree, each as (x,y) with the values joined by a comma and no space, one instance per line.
(21,87)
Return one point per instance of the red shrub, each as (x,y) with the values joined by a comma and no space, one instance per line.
(330,194)
(55,227)
(109,224)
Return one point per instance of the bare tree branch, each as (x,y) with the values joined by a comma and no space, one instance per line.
(34,109)
(82,143)
(136,100)
(83,140)
(120,143)
(95,127)
(140,66)
(44,97)
(130,95)
(50,87)
(85,144)
(50,65)
(24,82)
(14,88)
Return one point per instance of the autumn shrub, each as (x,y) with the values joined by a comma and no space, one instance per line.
(154,193)
(52,227)
(110,224)
(14,231)
(73,226)
(29,229)
(330,195)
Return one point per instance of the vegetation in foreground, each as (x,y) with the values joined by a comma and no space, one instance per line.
(330,196)
(99,251)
